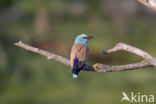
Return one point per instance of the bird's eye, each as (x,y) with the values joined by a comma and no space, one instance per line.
(84,37)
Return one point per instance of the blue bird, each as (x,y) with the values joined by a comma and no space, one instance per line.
(79,53)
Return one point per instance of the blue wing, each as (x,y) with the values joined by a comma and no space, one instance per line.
(75,66)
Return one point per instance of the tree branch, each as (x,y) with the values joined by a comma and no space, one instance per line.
(149,3)
(50,56)
(150,60)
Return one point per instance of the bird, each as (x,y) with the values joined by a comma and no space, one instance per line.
(79,53)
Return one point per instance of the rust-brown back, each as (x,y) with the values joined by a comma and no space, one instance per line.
(82,53)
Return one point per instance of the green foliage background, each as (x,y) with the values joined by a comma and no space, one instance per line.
(28,78)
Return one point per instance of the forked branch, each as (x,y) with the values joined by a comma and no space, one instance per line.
(149,60)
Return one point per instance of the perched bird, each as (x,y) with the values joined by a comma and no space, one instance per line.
(79,53)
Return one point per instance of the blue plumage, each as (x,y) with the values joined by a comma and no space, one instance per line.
(80,40)
(75,69)
(79,53)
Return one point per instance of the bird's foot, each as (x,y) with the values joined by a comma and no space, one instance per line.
(81,64)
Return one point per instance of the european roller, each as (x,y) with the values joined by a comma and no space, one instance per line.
(79,53)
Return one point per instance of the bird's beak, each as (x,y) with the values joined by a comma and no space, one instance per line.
(88,37)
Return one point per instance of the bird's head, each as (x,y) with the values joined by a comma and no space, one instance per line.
(83,39)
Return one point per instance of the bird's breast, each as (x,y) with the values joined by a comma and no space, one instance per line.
(82,52)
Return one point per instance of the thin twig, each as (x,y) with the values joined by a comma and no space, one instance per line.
(149,3)
(150,61)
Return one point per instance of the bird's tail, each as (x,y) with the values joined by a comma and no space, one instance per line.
(75,69)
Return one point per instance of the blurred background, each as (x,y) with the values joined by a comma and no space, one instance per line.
(28,78)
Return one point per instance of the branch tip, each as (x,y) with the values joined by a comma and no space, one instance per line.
(105,52)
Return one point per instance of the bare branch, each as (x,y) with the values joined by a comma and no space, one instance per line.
(149,3)
(49,55)
(150,61)
(123,46)
(107,68)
